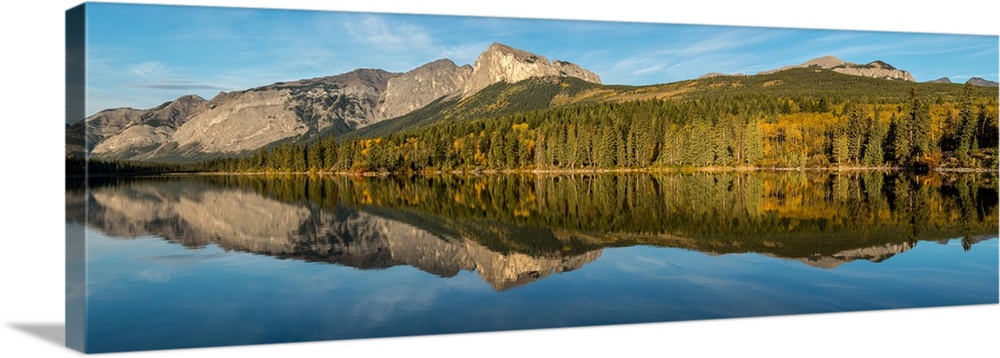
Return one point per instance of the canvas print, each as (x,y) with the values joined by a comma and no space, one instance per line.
(243,176)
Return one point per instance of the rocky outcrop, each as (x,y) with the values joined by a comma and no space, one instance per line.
(874,69)
(83,136)
(154,128)
(442,78)
(981,82)
(502,63)
(239,122)
(415,89)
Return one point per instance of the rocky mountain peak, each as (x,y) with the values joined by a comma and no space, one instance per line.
(151,129)
(982,82)
(502,63)
(362,77)
(520,55)
(191,98)
(826,62)
(175,112)
(422,85)
(879,64)
(941,80)
(874,69)
(375,78)
(442,78)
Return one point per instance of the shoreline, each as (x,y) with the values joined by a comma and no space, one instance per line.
(594,171)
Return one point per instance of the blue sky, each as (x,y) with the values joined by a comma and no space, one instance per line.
(143,55)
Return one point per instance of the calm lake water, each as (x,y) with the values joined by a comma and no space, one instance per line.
(205,261)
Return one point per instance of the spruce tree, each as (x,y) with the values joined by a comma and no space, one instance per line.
(857,131)
(873,146)
(966,127)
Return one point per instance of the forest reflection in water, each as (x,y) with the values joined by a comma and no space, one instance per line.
(515,229)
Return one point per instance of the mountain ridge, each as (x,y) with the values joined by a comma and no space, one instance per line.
(238,122)
(874,69)
(982,82)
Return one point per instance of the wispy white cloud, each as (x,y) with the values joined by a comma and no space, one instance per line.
(650,69)
(406,45)
(376,32)
(691,55)
(149,69)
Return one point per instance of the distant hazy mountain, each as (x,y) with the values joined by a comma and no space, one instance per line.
(976,81)
(874,69)
(941,80)
(718,74)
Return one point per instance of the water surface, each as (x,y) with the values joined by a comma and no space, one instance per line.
(204,261)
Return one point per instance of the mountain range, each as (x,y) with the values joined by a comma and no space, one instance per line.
(874,69)
(191,128)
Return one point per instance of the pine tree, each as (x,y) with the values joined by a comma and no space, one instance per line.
(329,152)
(857,131)
(754,147)
(873,146)
(572,150)
(966,127)
(606,146)
(721,136)
(841,147)
(899,141)
(497,150)
(314,156)
(699,146)
(918,128)
(986,128)
(671,145)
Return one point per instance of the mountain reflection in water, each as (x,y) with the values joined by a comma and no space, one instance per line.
(515,229)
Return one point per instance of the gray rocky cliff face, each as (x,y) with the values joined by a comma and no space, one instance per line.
(83,136)
(891,74)
(502,63)
(415,89)
(238,122)
(243,121)
(154,127)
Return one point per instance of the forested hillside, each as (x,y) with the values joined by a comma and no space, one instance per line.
(793,118)
(789,119)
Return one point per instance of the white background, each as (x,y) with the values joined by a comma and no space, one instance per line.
(32,220)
